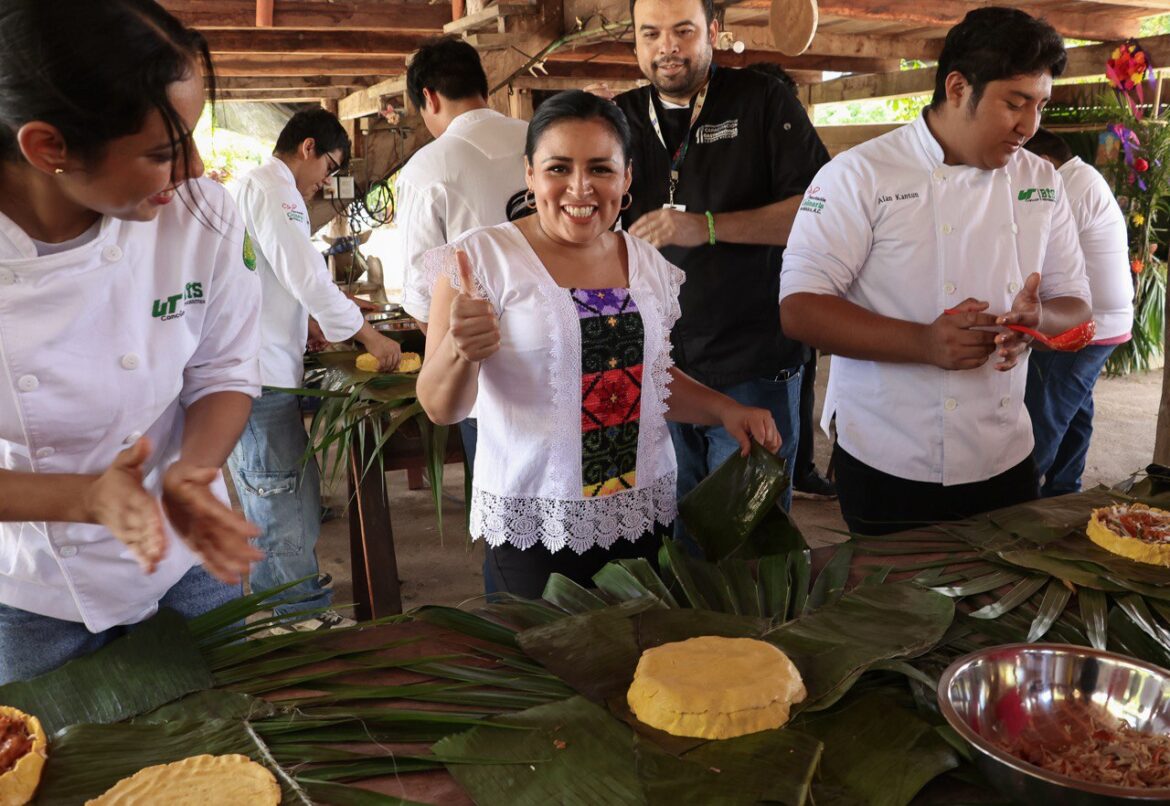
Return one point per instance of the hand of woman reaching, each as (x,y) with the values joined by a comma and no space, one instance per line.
(212,530)
(117,500)
(745,423)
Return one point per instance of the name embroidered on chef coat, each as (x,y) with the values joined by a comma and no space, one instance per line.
(167,307)
(897,197)
(712,132)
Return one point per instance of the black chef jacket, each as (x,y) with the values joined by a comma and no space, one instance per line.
(753,145)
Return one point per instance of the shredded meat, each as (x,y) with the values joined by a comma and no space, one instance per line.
(1139,522)
(1096,748)
(15,742)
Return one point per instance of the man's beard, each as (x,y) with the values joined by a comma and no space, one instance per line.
(686,82)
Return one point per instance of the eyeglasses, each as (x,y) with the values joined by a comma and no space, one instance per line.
(334,165)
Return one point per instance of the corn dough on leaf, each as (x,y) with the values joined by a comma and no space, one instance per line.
(196,781)
(715,688)
(1108,529)
(19,782)
(366,362)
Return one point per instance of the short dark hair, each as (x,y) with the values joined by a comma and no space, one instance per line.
(708,10)
(578,105)
(322,125)
(57,65)
(446,65)
(775,71)
(1045,143)
(995,43)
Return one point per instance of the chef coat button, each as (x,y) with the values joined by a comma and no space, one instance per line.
(951,404)
(45,453)
(1013,288)
(939,175)
(1004,401)
(949,288)
(7,277)
(68,551)
(947,229)
(112,253)
(134,437)
(28,383)
(129,361)
(1015,229)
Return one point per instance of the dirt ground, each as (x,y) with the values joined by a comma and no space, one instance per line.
(446,569)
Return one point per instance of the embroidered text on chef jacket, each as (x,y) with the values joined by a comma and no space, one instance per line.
(888,226)
(463,180)
(293,274)
(100,345)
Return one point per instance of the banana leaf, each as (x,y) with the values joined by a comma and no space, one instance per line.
(774,766)
(876,749)
(1049,519)
(86,760)
(727,506)
(835,644)
(155,663)
(573,752)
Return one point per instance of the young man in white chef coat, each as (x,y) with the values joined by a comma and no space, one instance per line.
(909,254)
(280,493)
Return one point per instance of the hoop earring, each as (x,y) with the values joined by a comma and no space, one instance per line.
(530,200)
(58,171)
(626,204)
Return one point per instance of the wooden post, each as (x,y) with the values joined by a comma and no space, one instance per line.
(329,105)
(520,104)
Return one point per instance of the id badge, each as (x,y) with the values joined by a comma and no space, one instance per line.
(682,208)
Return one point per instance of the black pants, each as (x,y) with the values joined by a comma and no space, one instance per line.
(876,503)
(804,464)
(526,572)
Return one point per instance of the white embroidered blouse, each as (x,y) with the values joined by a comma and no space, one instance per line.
(573,449)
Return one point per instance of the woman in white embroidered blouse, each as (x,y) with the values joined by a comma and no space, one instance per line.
(557,330)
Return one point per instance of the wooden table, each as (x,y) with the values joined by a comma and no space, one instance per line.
(376,586)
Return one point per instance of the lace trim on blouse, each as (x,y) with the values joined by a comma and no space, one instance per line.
(578,525)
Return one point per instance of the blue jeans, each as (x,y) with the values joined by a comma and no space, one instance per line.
(700,449)
(56,641)
(1059,398)
(282,495)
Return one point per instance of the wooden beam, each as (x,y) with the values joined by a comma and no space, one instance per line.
(310,65)
(289,41)
(487,17)
(290,82)
(621,53)
(560,84)
(369,15)
(300,96)
(371,100)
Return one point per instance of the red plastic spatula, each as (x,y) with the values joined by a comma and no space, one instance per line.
(1071,340)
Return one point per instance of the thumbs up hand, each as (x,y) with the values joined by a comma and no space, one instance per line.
(474,328)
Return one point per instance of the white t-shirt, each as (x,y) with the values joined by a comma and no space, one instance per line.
(100,345)
(462,180)
(293,274)
(888,226)
(1105,243)
(538,406)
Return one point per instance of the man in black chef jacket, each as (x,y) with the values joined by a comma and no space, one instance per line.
(721,160)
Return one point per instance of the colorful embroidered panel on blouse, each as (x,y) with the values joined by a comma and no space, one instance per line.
(611,389)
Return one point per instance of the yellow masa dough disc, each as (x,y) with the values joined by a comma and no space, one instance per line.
(18,784)
(715,688)
(232,780)
(1123,545)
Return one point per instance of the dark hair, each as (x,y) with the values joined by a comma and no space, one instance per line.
(992,44)
(775,71)
(1045,143)
(93,70)
(578,105)
(708,10)
(448,66)
(322,125)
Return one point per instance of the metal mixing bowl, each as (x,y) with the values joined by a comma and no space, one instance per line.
(998,692)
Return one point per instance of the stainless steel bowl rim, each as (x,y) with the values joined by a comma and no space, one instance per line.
(1019,765)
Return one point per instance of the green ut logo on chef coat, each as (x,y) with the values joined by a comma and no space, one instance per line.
(1037,194)
(166,307)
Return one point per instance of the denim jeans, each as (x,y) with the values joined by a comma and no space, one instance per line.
(23,656)
(282,495)
(1059,398)
(700,449)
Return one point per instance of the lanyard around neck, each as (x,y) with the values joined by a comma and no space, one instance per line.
(680,153)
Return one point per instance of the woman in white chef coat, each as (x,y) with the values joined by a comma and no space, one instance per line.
(128,335)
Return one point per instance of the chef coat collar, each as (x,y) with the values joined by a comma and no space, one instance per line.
(16,245)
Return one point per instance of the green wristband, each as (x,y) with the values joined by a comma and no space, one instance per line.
(710,229)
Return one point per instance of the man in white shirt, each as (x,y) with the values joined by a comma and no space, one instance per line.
(909,255)
(1060,385)
(279,492)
